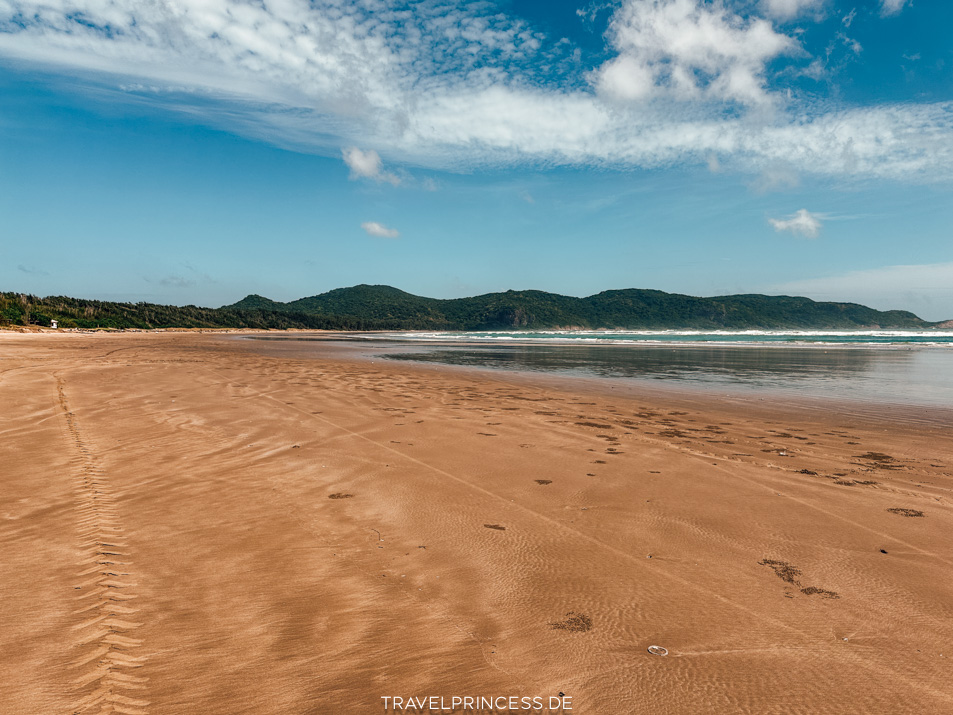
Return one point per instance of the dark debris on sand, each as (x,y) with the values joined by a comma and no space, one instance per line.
(878,460)
(575,622)
(905,512)
(874,457)
(784,571)
(790,573)
(822,592)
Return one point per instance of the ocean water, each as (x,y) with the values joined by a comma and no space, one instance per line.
(887,367)
(661,337)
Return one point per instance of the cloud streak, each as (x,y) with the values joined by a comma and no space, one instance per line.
(787,9)
(801,223)
(32,270)
(379,230)
(446,87)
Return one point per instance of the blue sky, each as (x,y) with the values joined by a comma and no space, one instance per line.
(194,151)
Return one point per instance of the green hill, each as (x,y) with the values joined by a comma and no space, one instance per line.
(374,307)
(377,303)
(391,308)
(257,302)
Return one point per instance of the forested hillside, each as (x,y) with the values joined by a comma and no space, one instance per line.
(367,307)
(631,308)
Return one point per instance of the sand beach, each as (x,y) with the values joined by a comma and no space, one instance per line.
(193,523)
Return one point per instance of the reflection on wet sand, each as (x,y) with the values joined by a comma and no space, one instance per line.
(892,375)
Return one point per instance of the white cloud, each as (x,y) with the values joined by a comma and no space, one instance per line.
(626,78)
(850,43)
(787,9)
(816,70)
(442,86)
(801,223)
(367,165)
(849,17)
(689,50)
(925,289)
(891,7)
(379,230)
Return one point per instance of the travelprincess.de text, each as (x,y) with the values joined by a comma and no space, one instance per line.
(478,703)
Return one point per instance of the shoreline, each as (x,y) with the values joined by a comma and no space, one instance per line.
(472,337)
(675,391)
(472,340)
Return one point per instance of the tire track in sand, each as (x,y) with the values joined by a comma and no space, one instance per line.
(102,673)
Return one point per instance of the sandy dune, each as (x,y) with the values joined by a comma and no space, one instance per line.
(197,524)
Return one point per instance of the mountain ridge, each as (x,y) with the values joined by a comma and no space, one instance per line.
(379,307)
(616,308)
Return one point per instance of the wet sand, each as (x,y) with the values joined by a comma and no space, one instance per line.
(198,524)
